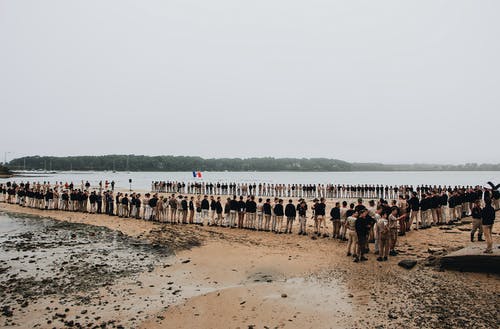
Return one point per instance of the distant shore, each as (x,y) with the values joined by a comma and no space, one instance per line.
(167,163)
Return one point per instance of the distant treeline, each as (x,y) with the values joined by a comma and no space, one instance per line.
(191,163)
(175,163)
(4,171)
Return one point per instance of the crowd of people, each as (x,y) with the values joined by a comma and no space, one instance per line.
(392,211)
(331,191)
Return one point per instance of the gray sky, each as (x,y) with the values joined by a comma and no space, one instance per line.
(372,81)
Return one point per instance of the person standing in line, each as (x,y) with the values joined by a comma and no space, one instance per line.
(218,210)
(335,218)
(375,218)
(191,210)
(343,221)
(173,209)
(362,229)
(241,212)
(302,211)
(383,234)
(233,212)
(273,215)
(205,206)
(227,212)
(352,237)
(477,224)
(319,213)
(414,203)
(488,219)
(402,205)
(138,206)
(213,209)
(290,213)
(443,200)
(180,211)
(267,214)
(251,209)
(197,205)
(99,202)
(279,213)
(260,215)
(185,207)
(393,230)
(125,203)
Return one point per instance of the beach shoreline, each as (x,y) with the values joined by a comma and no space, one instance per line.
(242,278)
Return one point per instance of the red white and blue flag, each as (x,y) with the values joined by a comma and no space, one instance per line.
(197,174)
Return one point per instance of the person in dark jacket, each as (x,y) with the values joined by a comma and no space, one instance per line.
(233,206)
(335,218)
(488,218)
(362,229)
(302,210)
(251,213)
(279,213)
(319,215)
(241,212)
(213,206)
(267,210)
(227,212)
(205,206)
(218,211)
(191,210)
(414,204)
(477,224)
(290,213)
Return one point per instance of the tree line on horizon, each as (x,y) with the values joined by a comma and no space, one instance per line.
(193,163)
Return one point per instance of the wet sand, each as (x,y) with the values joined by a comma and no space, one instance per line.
(223,278)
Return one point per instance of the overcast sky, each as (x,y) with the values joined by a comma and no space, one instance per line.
(372,81)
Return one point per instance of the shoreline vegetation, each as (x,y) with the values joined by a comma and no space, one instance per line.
(168,163)
(5,172)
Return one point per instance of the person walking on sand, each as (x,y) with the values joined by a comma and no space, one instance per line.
(488,218)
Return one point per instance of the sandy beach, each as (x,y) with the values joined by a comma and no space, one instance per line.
(222,278)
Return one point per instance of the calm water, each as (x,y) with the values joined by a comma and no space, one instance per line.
(142,180)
